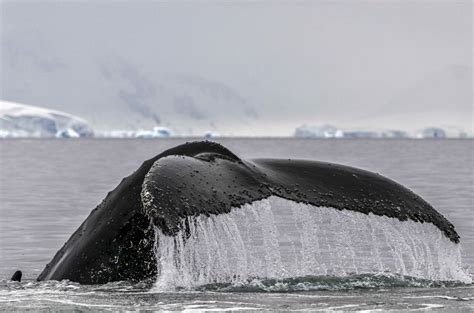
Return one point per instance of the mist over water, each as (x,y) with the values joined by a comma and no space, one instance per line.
(242,68)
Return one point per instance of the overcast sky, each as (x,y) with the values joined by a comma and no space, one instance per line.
(242,68)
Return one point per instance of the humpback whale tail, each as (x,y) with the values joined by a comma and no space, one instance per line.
(198,214)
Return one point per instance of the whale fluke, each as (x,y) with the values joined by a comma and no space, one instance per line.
(116,242)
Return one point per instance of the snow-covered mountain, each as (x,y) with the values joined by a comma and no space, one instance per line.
(188,104)
(23,121)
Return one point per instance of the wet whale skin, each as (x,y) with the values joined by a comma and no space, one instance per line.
(115,242)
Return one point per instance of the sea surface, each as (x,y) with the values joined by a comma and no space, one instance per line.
(48,187)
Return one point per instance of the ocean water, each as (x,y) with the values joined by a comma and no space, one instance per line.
(48,187)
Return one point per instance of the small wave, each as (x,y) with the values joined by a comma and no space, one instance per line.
(330,283)
(295,284)
(65,286)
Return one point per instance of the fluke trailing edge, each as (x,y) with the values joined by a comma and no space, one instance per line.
(116,241)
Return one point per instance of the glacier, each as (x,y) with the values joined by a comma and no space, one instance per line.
(26,121)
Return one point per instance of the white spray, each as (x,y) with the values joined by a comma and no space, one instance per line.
(276,238)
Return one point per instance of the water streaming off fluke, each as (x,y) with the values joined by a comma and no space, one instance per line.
(279,239)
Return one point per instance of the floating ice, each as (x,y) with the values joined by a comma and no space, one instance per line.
(157,132)
(323,131)
(278,239)
(432,132)
(67,133)
(211,134)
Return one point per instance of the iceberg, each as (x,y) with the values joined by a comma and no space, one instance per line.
(394,134)
(157,132)
(431,132)
(67,133)
(26,121)
(361,134)
(211,134)
(456,132)
(330,131)
(322,131)
(116,133)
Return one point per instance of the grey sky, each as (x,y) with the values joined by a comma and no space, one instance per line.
(242,68)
